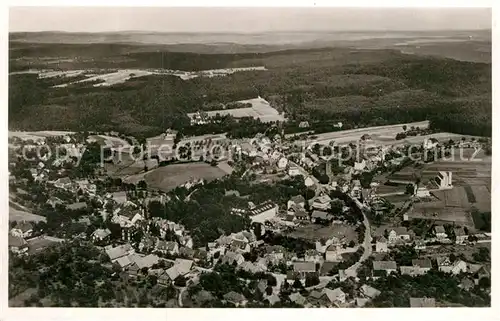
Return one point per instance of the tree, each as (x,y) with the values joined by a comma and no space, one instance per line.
(311,280)
(142,184)
(213,162)
(410,189)
(352,243)
(336,206)
(404,127)
(180,281)
(484,282)
(271,280)
(269,290)
(297,284)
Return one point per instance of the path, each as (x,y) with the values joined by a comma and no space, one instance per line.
(367,242)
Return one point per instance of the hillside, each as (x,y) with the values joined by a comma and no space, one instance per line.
(360,87)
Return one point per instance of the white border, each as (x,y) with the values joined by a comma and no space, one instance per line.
(239,314)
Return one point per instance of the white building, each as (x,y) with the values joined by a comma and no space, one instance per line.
(263,213)
(294,171)
(443,179)
(309,182)
(282,163)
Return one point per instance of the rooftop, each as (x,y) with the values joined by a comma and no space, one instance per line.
(384,265)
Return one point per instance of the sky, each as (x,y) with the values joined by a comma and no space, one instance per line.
(163,19)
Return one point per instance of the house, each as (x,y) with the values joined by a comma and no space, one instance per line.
(326,268)
(385,266)
(304,124)
(294,171)
(297,200)
(77,206)
(180,267)
(250,267)
(424,265)
(381,245)
(445,265)
(63,183)
(320,216)
(299,214)
(263,212)
(482,272)
(313,256)
(119,251)
(398,233)
(444,180)
(232,258)
(17,244)
(304,268)
(22,229)
(147,261)
(369,292)
(335,296)
(147,243)
(419,267)
(282,163)
(420,245)
(124,261)
(119,197)
(360,166)
(101,235)
(235,298)
(54,201)
(460,235)
(167,247)
(333,254)
(422,302)
(318,298)
(309,182)
(440,232)
(361,302)
(322,203)
(297,298)
(273,299)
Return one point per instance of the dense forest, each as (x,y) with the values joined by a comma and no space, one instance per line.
(322,86)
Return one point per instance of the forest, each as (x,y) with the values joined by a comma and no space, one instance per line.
(322,86)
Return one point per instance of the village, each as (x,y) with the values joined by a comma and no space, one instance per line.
(387,210)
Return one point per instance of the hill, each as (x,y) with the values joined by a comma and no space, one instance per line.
(359,87)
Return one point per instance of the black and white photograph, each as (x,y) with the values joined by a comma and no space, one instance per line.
(249,157)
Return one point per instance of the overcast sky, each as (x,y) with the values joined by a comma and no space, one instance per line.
(88,19)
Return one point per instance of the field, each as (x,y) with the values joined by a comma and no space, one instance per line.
(354,135)
(260,109)
(314,232)
(18,215)
(169,177)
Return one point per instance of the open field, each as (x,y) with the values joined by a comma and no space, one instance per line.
(169,177)
(260,109)
(38,134)
(438,213)
(353,135)
(315,232)
(18,215)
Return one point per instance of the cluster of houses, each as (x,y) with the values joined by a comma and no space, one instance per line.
(402,236)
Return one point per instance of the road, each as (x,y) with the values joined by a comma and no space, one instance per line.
(367,242)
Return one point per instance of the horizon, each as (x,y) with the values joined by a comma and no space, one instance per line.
(254,32)
(237,20)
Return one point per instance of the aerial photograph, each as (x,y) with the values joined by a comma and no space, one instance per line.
(170,157)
